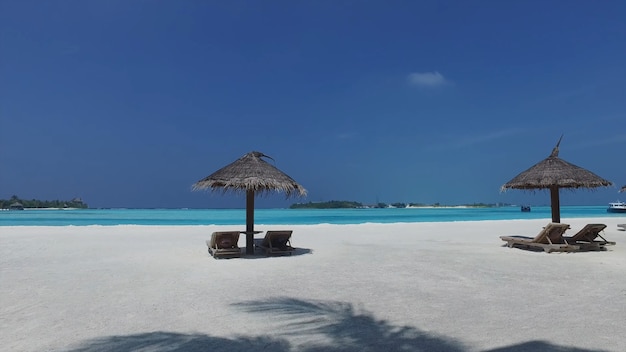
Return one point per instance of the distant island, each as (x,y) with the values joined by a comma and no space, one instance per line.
(16,203)
(333,204)
(345,204)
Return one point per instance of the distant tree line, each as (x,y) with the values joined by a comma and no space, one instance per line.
(333,204)
(36,203)
(337,204)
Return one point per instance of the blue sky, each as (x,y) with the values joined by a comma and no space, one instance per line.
(128,103)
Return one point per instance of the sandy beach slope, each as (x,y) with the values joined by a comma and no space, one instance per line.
(372,287)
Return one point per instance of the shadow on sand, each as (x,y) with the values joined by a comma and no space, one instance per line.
(541,250)
(540,346)
(345,328)
(260,254)
(175,342)
(337,326)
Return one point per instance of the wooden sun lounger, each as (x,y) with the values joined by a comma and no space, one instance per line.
(224,244)
(621,227)
(277,242)
(550,239)
(586,238)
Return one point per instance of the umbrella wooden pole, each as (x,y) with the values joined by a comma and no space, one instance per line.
(555,203)
(250,222)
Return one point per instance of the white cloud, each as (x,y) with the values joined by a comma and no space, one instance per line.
(427,79)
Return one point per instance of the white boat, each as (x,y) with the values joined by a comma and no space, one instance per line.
(617,207)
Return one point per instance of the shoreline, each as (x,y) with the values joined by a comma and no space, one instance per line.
(469,206)
(588,219)
(271,217)
(450,286)
(609,220)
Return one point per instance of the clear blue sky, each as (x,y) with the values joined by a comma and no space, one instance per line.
(128,103)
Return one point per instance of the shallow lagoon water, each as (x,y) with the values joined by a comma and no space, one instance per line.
(107,217)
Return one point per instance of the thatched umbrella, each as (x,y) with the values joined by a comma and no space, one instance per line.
(252,175)
(16,206)
(553,173)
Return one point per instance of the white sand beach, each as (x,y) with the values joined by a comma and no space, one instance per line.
(372,287)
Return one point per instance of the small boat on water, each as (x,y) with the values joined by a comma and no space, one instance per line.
(525,208)
(617,207)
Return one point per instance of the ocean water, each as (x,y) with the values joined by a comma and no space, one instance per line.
(107,217)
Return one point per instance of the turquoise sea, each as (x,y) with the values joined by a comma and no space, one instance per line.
(82,217)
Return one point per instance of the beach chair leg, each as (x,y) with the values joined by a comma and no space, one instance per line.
(604,239)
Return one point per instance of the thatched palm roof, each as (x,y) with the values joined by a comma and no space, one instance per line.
(554,171)
(251,173)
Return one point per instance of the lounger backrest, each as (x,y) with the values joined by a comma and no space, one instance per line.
(553,233)
(589,232)
(224,239)
(278,239)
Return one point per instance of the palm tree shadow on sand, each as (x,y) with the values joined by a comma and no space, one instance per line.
(320,325)
(347,329)
(176,342)
(543,346)
(343,328)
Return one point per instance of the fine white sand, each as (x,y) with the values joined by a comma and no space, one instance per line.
(373,287)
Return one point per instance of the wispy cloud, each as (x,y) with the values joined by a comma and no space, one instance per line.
(619,139)
(427,79)
(460,142)
(345,135)
(70,50)
(569,94)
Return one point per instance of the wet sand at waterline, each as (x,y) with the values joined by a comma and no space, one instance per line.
(373,287)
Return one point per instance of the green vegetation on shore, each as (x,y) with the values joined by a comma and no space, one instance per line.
(345,204)
(333,204)
(36,203)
